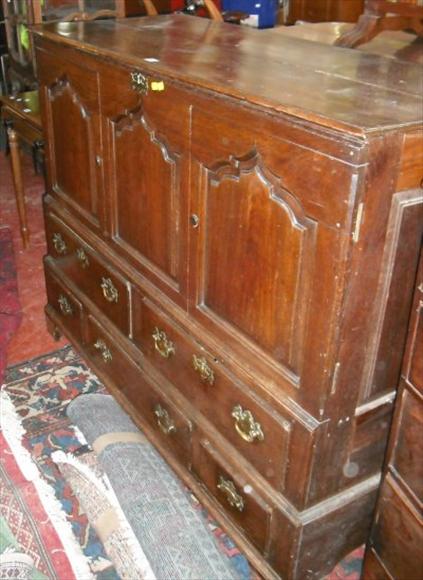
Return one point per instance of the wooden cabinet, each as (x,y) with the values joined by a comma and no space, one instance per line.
(394,549)
(244,240)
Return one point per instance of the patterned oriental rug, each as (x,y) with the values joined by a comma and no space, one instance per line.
(51,481)
(10,310)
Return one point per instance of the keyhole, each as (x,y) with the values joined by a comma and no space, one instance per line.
(195,220)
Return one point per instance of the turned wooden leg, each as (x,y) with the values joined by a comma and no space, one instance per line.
(367,27)
(15,160)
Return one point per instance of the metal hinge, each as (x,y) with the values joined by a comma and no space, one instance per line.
(358,220)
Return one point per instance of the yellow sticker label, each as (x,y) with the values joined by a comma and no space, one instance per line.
(157,86)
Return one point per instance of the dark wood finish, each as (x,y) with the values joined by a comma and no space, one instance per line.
(394,549)
(21,117)
(380,15)
(324,10)
(269,231)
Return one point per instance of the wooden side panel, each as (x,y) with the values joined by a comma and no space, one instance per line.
(397,535)
(390,319)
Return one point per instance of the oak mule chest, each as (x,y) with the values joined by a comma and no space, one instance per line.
(233,224)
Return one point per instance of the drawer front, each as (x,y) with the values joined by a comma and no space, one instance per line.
(167,422)
(64,304)
(234,492)
(258,432)
(101,284)
(407,455)
(397,535)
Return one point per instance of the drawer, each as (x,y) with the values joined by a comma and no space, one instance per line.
(168,423)
(261,434)
(65,305)
(407,455)
(397,534)
(100,283)
(234,492)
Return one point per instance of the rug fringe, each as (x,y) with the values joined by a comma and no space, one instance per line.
(13,431)
(103,484)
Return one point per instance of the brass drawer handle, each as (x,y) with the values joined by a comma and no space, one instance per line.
(65,306)
(106,355)
(162,344)
(82,258)
(110,293)
(59,244)
(139,82)
(246,426)
(164,421)
(203,368)
(233,498)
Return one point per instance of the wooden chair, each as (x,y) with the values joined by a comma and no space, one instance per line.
(380,15)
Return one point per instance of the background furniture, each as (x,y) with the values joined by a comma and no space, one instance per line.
(324,10)
(21,117)
(20,15)
(395,547)
(382,15)
(235,257)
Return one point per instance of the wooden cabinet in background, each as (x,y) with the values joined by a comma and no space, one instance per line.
(243,241)
(395,546)
(324,10)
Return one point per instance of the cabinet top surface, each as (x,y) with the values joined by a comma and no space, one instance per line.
(335,87)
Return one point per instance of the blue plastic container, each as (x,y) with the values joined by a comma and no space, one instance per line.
(263,10)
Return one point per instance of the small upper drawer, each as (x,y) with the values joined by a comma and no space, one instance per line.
(64,303)
(103,285)
(234,492)
(258,432)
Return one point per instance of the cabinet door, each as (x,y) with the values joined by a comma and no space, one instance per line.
(69,97)
(146,161)
(269,250)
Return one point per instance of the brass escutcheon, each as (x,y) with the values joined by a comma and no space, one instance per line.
(202,367)
(139,82)
(232,496)
(59,244)
(164,421)
(110,293)
(246,426)
(82,258)
(105,351)
(65,305)
(162,344)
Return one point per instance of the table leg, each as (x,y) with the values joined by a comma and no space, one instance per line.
(15,160)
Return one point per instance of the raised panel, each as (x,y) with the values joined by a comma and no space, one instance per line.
(147,194)
(257,256)
(69,101)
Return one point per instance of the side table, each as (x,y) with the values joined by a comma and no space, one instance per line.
(21,117)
